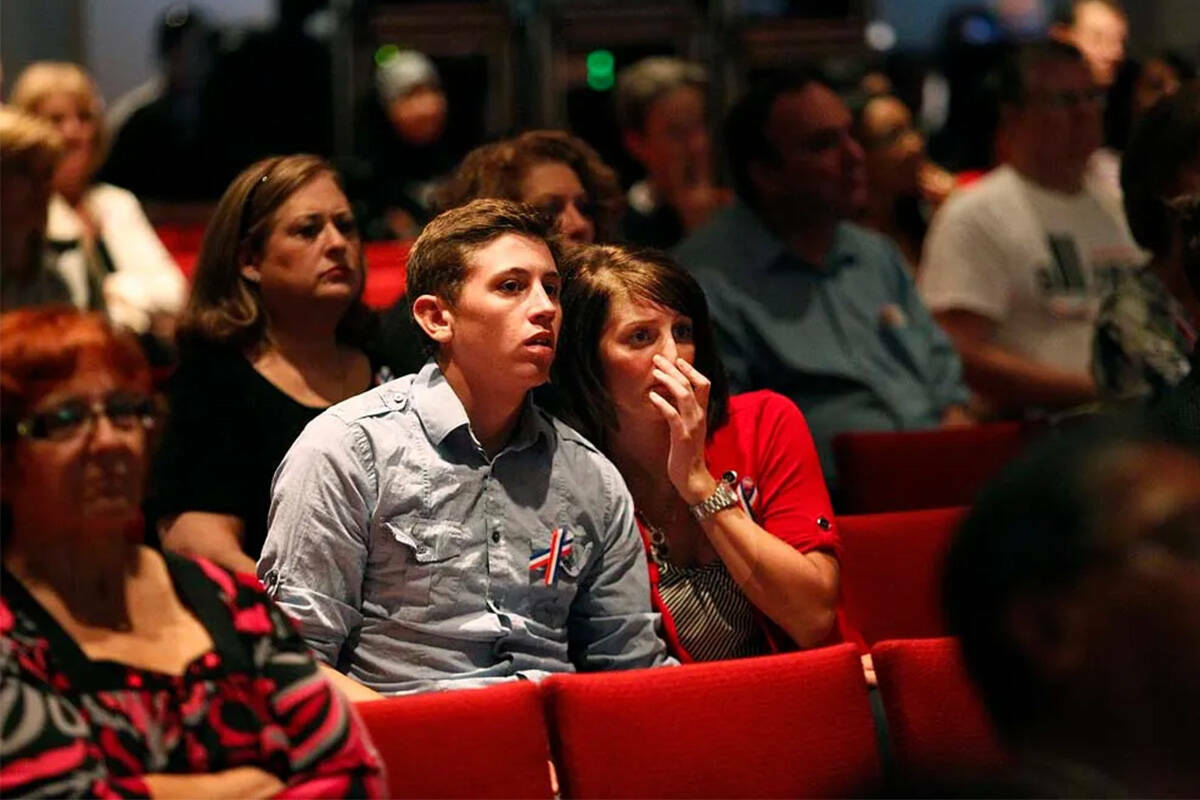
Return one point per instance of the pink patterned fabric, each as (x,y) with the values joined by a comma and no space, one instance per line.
(76,727)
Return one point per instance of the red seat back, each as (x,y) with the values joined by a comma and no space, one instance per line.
(387,272)
(891,571)
(937,724)
(905,470)
(794,725)
(464,743)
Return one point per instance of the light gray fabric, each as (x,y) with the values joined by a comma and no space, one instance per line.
(404,554)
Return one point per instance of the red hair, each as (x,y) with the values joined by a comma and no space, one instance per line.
(42,347)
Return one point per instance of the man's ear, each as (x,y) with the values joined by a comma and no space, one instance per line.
(434,316)
(762,177)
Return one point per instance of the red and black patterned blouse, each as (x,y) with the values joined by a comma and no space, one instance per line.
(71,726)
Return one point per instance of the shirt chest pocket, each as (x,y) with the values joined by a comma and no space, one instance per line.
(432,557)
(558,561)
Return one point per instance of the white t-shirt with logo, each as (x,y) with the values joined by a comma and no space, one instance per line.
(1035,261)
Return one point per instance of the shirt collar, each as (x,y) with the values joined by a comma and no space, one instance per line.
(442,413)
(765,250)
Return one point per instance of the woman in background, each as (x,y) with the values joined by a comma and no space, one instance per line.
(551,170)
(123,671)
(275,333)
(125,270)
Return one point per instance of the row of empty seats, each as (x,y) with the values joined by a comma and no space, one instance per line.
(792,725)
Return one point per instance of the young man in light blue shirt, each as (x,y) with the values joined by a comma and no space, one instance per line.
(443,531)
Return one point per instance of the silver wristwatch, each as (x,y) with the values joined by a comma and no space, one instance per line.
(724,497)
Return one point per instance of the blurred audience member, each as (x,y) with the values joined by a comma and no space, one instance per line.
(1098,29)
(904,186)
(1160,76)
(661,109)
(1147,326)
(1178,412)
(550,170)
(805,302)
(405,144)
(125,269)
(274,334)
(730,501)
(1014,268)
(1074,586)
(125,672)
(29,153)
(162,140)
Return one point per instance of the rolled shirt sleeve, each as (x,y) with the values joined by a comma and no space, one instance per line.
(315,555)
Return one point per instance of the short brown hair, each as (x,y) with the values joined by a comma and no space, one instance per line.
(498,169)
(438,263)
(596,274)
(224,308)
(43,78)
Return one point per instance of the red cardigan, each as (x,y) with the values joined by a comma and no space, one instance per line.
(767,442)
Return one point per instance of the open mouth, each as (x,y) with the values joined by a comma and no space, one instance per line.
(545,340)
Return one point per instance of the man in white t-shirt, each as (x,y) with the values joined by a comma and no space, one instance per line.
(1014,268)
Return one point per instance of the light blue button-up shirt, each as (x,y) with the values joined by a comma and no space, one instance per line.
(850,343)
(412,561)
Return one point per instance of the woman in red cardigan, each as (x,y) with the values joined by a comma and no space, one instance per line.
(730,500)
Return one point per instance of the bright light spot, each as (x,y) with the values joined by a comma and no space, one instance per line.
(385,54)
(880,35)
(601,70)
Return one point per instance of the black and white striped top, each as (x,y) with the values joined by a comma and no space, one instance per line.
(714,619)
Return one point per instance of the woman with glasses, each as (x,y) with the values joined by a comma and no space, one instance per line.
(125,672)
(905,186)
(551,170)
(274,333)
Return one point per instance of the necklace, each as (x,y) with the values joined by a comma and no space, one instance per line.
(660,548)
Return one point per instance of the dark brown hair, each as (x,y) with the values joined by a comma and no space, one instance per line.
(498,169)
(439,261)
(596,274)
(224,308)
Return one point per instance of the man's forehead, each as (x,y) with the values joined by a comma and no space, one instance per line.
(511,251)
(803,111)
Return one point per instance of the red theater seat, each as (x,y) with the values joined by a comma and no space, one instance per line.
(905,470)
(387,272)
(891,571)
(464,743)
(793,725)
(937,723)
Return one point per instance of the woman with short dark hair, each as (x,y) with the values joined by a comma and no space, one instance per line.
(730,498)
(123,671)
(275,332)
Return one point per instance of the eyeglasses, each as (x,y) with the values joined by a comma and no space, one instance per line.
(76,417)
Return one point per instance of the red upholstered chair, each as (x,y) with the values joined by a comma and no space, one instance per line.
(387,272)
(937,723)
(464,743)
(905,470)
(891,571)
(792,725)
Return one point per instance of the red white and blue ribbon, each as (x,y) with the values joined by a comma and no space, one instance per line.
(551,558)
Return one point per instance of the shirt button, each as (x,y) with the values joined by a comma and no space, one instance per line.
(496,537)
(824,524)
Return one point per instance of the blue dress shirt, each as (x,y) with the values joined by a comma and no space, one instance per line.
(412,561)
